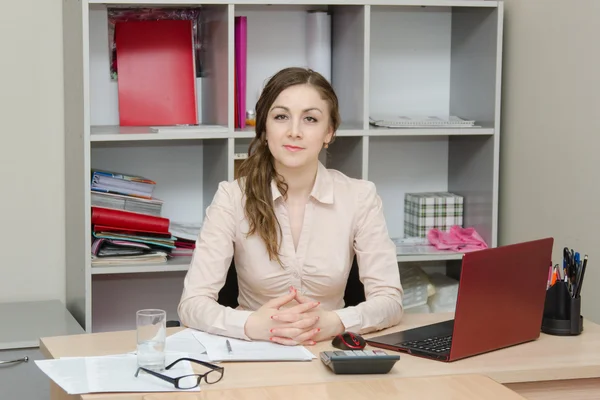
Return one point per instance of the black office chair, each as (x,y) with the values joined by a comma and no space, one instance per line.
(353,295)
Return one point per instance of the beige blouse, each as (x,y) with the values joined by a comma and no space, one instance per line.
(344,217)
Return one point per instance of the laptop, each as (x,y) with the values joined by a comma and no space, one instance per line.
(500,303)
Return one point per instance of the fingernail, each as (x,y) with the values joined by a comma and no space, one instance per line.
(313,342)
(318,329)
(292,289)
(274,317)
(271,330)
(271,338)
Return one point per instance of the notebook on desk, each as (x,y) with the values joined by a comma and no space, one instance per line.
(500,303)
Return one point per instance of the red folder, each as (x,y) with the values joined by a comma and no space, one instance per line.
(157,77)
(129,220)
(134,232)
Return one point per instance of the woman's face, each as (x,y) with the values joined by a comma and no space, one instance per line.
(298,125)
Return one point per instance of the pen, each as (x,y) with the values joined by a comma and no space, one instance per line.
(229,350)
(580,278)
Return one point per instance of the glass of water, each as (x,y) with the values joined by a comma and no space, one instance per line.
(151,337)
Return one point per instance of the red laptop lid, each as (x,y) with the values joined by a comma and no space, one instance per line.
(501,297)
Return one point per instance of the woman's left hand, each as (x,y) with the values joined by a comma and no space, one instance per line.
(328,325)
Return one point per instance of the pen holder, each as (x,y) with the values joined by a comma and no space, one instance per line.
(562,312)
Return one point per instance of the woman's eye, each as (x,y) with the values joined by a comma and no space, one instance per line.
(311,119)
(280,116)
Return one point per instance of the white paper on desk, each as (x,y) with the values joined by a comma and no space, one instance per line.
(105,374)
(185,342)
(243,350)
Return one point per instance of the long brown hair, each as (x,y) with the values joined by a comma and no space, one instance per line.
(258,170)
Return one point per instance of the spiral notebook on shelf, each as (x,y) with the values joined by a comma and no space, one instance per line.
(421,121)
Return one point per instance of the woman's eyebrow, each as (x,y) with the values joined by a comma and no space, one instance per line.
(306,110)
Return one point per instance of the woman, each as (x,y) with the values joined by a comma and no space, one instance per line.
(293,228)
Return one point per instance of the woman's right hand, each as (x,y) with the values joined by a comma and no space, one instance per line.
(259,324)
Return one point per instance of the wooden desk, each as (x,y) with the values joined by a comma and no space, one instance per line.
(463,387)
(571,363)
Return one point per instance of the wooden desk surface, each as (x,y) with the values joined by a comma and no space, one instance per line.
(550,358)
(463,387)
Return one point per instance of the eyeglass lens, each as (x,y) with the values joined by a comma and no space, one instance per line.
(189,381)
(214,376)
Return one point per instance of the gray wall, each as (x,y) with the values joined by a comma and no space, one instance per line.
(549,176)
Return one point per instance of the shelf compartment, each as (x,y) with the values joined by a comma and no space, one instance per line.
(277,38)
(435,61)
(115,298)
(186,174)
(211,88)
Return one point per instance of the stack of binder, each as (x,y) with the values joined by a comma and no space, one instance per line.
(126,223)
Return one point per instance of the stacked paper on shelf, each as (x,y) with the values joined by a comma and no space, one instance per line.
(122,237)
(417,121)
(127,203)
(416,285)
(446,293)
(129,185)
(186,235)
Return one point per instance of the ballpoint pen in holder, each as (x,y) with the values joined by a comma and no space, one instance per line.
(562,309)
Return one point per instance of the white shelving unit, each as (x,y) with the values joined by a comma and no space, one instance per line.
(389,57)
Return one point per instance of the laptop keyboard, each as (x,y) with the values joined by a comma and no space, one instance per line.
(435,344)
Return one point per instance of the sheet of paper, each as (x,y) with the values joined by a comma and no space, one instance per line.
(115,373)
(412,245)
(185,342)
(243,350)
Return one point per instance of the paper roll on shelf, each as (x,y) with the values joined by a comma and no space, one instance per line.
(318,42)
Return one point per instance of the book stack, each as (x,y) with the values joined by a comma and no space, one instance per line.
(127,226)
(185,238)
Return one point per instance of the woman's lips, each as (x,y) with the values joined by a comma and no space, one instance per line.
(293,148)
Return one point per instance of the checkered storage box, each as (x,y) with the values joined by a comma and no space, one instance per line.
(428,210)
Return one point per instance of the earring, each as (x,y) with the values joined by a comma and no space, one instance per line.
(326,145)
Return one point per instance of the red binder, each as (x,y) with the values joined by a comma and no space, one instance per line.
(128,220)
(156,78)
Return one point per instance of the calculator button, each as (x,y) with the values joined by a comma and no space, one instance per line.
(350,353)
(369,352)
(339,353)
(379,352)
(360,353)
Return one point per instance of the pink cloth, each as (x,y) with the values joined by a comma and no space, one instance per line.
(457,239)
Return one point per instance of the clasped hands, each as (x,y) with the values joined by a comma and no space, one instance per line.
(305,323)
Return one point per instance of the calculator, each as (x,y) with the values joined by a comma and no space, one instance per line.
(359,361)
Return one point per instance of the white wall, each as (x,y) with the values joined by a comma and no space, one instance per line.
(549,176)
(31,153)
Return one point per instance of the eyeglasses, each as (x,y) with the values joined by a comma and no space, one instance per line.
(188,381)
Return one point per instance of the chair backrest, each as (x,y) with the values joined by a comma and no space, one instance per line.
(353,295)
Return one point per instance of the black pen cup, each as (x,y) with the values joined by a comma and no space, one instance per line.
(562,312)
